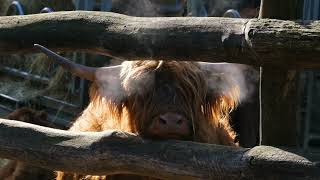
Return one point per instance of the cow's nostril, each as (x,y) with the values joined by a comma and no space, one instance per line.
(169,126)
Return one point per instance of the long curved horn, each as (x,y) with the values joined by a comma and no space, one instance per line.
(76,69)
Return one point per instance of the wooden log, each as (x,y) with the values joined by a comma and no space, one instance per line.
(279,106)
(279,87)
(112,152)
(248,41)
(285,9)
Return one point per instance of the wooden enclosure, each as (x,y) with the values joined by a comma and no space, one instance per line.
(282,47)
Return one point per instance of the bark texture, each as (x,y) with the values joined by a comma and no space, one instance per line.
(119,152)
(255,41)
(279,87)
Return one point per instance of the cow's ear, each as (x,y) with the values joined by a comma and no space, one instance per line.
(221,98)
(108,82)
(223,93)
(226,77)
(221,77)
(223,86)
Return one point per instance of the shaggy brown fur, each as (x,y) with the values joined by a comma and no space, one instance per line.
(29,115)
(207,105)
(15,170)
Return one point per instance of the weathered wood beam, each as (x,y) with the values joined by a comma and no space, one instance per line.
(279,87)
(284,9)
(212,39)
(113,152)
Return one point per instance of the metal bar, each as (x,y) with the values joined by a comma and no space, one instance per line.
(106,5)
(9,98)
(314,136)
(16,102)
(82,82)
(23,74)
(59,122)
(6,108)
(59,101)
(306,9)
(56,104)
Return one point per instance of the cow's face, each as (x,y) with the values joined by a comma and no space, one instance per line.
(163,98)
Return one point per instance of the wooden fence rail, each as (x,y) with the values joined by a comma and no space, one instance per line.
(119,152)
(279,43)
(248,41)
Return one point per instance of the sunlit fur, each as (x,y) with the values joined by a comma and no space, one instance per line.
(207,105)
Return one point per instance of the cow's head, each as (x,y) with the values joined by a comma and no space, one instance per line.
(165,99)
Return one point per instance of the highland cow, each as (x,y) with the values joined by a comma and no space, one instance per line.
(15,170)
(157,100)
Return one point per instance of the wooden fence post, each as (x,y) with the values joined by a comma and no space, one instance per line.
(279,87)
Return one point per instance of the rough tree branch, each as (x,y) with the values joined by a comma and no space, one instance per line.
(118,152)
(255,41)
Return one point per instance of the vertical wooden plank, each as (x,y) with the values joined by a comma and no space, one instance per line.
(279,87)
(278,9)
(279,101)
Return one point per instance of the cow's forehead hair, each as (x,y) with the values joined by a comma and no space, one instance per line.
(134,69)
(137,77)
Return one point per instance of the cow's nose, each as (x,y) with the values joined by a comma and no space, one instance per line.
(171,120)
(170,125)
